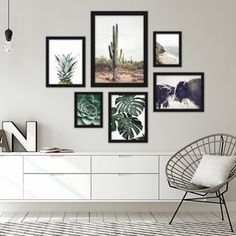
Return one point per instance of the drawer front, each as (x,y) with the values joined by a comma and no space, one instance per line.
(125,186)
(125,164)
(11,177)
(56,186)
(166,192)
(57,164)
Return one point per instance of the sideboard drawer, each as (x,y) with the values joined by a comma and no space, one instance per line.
(11,177)
(56,186)
(125,164)
(125,186)
(57,164)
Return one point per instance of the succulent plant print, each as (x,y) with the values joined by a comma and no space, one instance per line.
(66,68)
(125,117)
(88,109)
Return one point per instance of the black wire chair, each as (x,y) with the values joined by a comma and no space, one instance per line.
(182,166)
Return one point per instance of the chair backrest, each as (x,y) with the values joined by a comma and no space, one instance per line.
(181,167)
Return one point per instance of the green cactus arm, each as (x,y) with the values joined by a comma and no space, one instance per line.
(113,39)
(112,47)
(120,56)
(110,51)
(116,42)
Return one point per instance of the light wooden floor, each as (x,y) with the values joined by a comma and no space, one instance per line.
(161,217)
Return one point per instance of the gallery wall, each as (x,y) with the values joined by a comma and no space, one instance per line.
(208,28)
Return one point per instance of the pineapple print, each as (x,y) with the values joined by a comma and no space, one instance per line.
(66,68)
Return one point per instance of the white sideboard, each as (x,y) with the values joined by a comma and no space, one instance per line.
(85,177)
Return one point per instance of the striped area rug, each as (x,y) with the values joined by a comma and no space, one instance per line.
(103,229)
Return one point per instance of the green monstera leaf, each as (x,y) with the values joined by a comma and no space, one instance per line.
(131,104)
(129,126)
(115,118)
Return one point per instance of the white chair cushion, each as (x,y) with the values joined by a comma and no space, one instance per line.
(213,170)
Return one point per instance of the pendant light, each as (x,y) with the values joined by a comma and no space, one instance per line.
(8,47)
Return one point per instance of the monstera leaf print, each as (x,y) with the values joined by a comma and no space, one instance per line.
(125,116)
(131,104)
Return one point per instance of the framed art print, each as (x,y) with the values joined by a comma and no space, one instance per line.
(65,61)
(178,92)
(128,117)
(119,49)
(167,49)
(88,110)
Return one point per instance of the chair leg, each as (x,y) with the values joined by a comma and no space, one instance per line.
(220,201)
(223,200)
(178,208)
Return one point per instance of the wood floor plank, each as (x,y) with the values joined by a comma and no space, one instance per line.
(83,217)
(147,217)
(6,216)
(177,218)
(199,217)
(57,217)
(211,217)
(44,217)
(186,217)
(70,217)
(32,217)
(96,217)
(231,213)
(160,217)
(217,214)
(135,217)
(18,217)
(109,217)
(122,217)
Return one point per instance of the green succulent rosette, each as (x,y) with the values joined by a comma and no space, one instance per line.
(88,110)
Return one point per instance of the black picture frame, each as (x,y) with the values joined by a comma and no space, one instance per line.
(100,94)
(95,14)
(48,39)
(179,33)
(198,74)
(141,140)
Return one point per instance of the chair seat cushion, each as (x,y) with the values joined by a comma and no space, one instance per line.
(213,170)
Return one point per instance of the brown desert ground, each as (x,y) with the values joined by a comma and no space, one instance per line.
(123,76)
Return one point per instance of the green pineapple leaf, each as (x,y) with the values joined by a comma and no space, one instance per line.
(66,67)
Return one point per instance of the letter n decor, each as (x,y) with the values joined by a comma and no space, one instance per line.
(28,141)
(3,141)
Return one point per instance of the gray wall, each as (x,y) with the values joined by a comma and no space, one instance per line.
(209,38)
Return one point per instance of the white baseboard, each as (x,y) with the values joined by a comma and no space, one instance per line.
(106,207)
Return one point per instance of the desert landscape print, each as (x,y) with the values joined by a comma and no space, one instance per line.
(167,48)
(119,50)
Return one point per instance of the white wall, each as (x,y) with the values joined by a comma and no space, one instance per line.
(209,38)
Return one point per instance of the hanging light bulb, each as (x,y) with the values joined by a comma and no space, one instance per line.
(8,46)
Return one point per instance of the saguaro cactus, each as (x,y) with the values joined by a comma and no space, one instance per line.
(113,50)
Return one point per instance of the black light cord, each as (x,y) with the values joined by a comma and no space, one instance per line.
(8,19)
